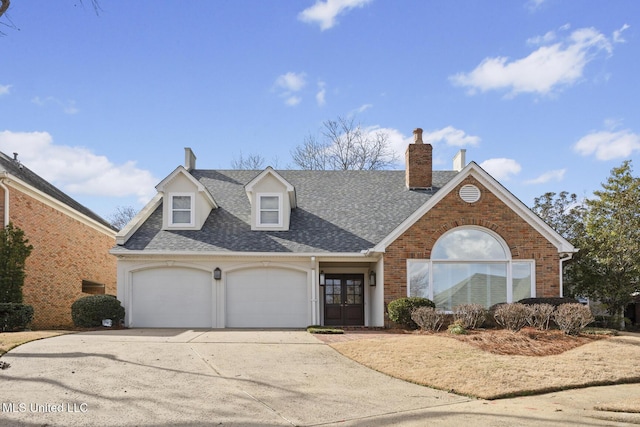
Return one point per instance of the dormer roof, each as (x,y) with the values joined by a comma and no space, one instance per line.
(269,171)
(181,170)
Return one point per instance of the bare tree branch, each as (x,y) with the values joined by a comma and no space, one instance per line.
(346,146)
(251,162)
(311,155)
(4,5)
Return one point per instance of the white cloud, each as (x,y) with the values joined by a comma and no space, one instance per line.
(534,5)
(292,100)
(608,145)
(501,169)
(77,170)
(289,84)
(360,109)
(291,81)
(617,34)
(450,136)
(324,13)
(68,107)
(4,89)
(321,94)
(554,175)
(542,40)
(544,70)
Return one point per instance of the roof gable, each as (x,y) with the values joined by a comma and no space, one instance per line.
(270,172)
(180,171)
(474,170)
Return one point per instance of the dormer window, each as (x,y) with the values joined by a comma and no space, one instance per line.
(270,210)
(181,209)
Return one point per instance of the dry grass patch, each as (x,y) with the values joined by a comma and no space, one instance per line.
(9,340)
(468,365)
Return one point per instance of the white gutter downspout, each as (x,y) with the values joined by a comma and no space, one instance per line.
(6,201)
(563,257)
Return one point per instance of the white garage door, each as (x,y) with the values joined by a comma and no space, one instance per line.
(171,298)
(267,298)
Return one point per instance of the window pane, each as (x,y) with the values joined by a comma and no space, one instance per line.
(269,202)
(268,217)
(521,273)
(181,202)
(466,283)
(418,279)
(181,217)
(468,243)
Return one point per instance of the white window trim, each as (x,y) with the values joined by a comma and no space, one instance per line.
(259,210)
(509,263)
(191,222)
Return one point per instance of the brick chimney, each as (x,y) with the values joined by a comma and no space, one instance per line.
(419,163)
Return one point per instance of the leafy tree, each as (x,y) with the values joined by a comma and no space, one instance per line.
(345,145)
(121,216)
(14,250)
(609,267)
(565,214)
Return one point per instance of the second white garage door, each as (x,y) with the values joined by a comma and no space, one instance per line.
(267,298)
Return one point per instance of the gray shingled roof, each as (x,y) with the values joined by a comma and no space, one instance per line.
(337,211)
(23,173)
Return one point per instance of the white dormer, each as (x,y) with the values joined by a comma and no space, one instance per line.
(186,203)
(272,197)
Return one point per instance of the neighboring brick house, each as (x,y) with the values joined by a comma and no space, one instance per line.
(71,244)
(237,248)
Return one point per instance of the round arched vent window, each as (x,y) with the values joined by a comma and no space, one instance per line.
(470,193)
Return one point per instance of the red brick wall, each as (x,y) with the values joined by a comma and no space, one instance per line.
(523,240)
(65,252)
(419,161)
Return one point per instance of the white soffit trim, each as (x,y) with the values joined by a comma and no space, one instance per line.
(208,255)
(473,169)
(181,170)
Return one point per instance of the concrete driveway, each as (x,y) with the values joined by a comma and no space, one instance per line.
(148,377)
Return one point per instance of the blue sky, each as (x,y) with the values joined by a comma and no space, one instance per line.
(543,94)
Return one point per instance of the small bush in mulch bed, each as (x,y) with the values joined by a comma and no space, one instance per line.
(400,310)
(572,318)
(513,316)
(428,318)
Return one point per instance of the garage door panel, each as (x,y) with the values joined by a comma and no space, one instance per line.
(172,298)
(271,297)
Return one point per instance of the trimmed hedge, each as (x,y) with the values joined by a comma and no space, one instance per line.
(554,301)
(400,310)
(15,317)
(89,311)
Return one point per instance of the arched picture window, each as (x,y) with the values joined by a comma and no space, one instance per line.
(470,265)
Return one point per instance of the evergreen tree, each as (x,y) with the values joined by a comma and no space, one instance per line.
(609,266)
(14,250)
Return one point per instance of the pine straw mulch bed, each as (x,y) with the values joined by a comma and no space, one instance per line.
(494,364)
(526,342)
